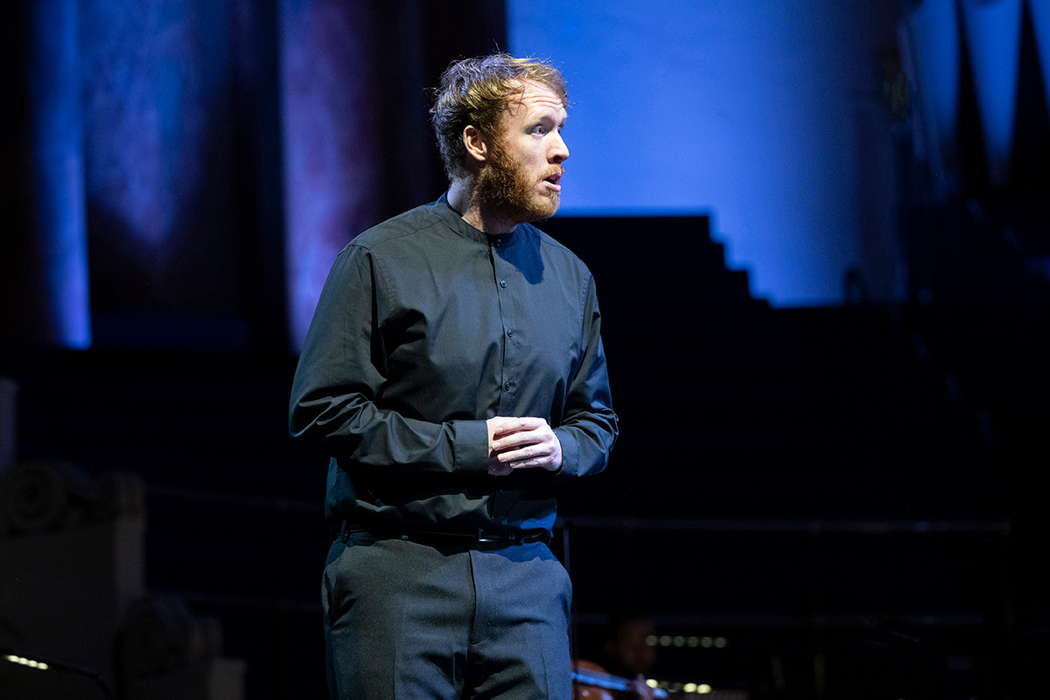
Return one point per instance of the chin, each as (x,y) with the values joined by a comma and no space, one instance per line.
(546,208)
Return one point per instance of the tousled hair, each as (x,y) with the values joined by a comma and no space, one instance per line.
(477,91)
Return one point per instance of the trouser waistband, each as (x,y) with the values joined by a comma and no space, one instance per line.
(477,539)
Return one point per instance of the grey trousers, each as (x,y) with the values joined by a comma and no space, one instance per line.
(407,620)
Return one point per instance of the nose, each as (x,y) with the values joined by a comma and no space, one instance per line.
(559,151)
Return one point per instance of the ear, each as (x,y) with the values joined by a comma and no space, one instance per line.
(475,144)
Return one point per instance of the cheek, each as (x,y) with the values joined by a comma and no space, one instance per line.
(538,162)
(534,154)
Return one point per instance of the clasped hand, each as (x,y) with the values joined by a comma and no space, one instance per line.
(522,443)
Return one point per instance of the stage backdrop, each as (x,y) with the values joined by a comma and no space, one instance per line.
(768,115)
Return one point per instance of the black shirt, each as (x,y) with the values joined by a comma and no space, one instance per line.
(425,328)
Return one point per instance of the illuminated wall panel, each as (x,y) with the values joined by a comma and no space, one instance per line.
(159,176)
(932,33)
(747,110)
(992,32)
(330,111)
(1040,13)
(59,243)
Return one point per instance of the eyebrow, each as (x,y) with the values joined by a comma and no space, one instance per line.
(547,117)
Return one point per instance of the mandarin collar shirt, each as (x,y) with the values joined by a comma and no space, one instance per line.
(425,328)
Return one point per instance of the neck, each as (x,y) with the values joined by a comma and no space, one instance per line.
(462,196)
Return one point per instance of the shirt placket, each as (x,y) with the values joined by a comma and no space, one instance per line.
(506,280)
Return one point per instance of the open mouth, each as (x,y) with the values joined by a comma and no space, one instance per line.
(554,180)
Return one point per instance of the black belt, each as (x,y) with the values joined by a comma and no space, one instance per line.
(478,539)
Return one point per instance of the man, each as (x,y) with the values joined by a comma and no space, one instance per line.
(625,654)
(455,371)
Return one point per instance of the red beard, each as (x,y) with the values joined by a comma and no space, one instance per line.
(505,188)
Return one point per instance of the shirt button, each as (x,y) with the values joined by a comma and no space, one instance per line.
(507,385)
(509,332)
(503,283)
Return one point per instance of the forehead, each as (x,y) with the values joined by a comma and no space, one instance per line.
(531,97)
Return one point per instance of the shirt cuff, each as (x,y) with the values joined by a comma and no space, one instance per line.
(570,455)
(470,445)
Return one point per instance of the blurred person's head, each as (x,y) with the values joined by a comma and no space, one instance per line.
(626,648)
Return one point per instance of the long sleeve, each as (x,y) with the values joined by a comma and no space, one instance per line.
(590,426)
(341,375)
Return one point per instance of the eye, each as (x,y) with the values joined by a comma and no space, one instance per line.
(540,129)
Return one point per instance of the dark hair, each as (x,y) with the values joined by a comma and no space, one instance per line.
(476,91)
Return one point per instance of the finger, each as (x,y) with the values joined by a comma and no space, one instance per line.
(528,437)
(508,426)
(503,434)
(531,463)
(530,452)
(502,426)
(506,431)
